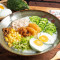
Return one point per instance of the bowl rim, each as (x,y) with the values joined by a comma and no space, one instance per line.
(36,53)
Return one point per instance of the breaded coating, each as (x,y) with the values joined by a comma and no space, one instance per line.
(35,26)
(6,31)
(24,32)
(31,30)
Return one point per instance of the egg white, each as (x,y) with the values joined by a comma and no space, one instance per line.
(5,12)
(51,38)
(38,48)
(0,10)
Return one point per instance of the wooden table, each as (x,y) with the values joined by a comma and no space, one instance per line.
(43,8)
(46,56)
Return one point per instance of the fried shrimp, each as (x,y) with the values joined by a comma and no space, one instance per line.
(31,30)
(35,26)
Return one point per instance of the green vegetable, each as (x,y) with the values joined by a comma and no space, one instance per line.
(42,26)
(23,44)
(35,19)
(44,20)
(50,28)
(17,5)
(50,24)
(43,23)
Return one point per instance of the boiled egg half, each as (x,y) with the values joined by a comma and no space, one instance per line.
(46,38)
(38,45)
(4,11)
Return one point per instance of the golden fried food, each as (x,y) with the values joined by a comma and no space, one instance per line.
(24,32)
(31,30)
(6,31)
(35,26)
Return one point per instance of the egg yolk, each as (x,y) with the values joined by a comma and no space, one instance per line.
(1,7)
(38,42)
(43,38)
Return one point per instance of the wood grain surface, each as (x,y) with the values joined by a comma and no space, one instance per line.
(47,9)
(5,55)
(45,4)
(53,0)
